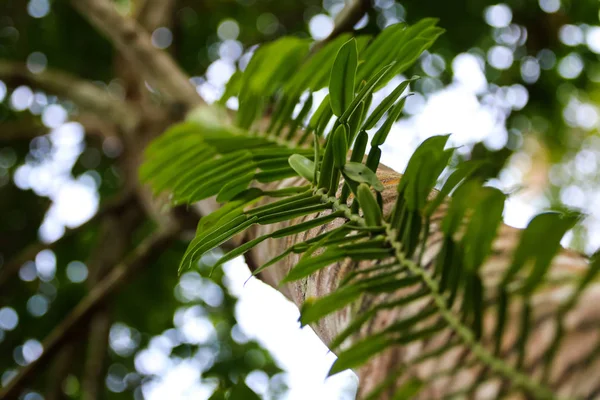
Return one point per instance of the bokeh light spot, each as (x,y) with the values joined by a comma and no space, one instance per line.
(162,37)
(549,6)
(54,116)
(32,350)
(9,319)
(498,16)
(592,39)
(37,62)
(500,57)
(38,8)
(267,23)
(77,271)
(21,98)
(228,30)
(45,263)
(37,305)
(320,26)
(571,66)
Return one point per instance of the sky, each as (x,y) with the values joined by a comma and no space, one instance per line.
(469,108)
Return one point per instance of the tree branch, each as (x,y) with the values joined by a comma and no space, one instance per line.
(156,13)
(30,128)
(22,129)
(95,358)
(63,362)
(114,241)
(136,45)
(144,254)
(347,18)
(13,265)
(83,93)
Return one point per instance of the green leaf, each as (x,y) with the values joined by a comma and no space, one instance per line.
(340,146)
(306,225)
(363,93)
(300,201)
(321,110)
(208,240)
(326,169)
(424,167)
(314,309)
(539,243)
(373,158)
(274,175)
(234,187)
(483,226)
(387,103)
(363,317)
(284,192)
(371,210)
(360,353)
(299,121)
(211,186)
(463,172)
(304,195)
(230,210)
(303,166)
(355,122)
(240,250)
(291,214)
(361,174)
(341,82)
(242,392)
(409,389)
(381,135)
(309,265)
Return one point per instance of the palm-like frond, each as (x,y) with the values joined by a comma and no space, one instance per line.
(426,255)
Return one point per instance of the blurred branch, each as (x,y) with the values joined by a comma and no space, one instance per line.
(29,253)
(147,252)
(156,13)
(63,362)
(95,357)
(346,19)
(22,129)
(30,128)
(113,243)
(136,45)
(83,93)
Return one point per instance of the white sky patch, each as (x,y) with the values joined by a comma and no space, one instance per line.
(267,316)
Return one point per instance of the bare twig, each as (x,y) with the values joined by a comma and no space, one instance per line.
(83,93)
(143,255)
(13,265)
(136,45)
